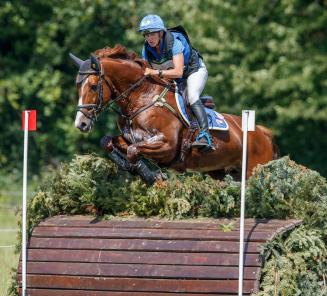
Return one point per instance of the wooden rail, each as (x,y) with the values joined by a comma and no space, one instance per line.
(79,256)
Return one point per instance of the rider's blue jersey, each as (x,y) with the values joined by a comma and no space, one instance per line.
(180,46)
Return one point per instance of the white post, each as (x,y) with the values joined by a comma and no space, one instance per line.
(24,203)
(248,124)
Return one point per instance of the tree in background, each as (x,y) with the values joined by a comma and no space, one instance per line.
(264,55)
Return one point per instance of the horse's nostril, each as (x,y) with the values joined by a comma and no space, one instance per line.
(82,126)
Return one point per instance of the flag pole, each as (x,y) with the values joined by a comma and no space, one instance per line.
(248,124)
(26,121)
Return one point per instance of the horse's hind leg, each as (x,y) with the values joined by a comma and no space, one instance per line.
(221,174)
(217,175)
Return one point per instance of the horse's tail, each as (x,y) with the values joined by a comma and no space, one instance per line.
(268,133)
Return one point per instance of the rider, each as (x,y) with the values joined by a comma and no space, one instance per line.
(171,55)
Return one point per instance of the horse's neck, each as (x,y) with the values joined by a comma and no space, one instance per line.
(123,74)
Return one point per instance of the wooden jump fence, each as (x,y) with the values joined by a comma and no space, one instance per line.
(80,256)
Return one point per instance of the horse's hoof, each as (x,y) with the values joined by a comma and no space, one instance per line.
(106,143)
(160,176)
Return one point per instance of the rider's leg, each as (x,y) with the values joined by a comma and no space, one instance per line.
(195,85)
(204,139)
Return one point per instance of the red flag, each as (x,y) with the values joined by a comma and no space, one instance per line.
(31,120)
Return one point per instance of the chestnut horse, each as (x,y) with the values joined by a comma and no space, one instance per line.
(154,131)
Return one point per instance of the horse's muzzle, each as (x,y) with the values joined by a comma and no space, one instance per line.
(84,127)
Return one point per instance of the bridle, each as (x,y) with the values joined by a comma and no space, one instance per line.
(95,109)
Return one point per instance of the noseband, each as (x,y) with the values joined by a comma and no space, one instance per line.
(95,109)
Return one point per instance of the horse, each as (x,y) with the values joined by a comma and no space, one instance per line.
(152,131)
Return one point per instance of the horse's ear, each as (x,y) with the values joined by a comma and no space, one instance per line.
(78,62)
(95,64)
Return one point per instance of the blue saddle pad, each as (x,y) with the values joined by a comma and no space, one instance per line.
(216,121)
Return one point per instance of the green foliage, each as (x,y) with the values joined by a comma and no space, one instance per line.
(283,189)
(186,196)
(91,184)
(295,264)
(80,187)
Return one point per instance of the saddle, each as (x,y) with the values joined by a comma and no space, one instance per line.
(216,121)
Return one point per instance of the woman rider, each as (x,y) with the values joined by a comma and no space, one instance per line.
(171,56)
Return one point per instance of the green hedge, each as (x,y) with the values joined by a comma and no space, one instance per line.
(295,263)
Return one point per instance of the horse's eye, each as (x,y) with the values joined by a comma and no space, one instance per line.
(94,87)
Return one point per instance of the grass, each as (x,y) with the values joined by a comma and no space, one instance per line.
(8,258)
(10,201)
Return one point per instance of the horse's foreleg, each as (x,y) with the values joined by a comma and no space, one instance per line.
(119,142)
(117,148)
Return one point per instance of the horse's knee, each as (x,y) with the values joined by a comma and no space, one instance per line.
(132,153)
(106,143)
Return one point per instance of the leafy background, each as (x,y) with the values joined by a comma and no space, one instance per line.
(264,55)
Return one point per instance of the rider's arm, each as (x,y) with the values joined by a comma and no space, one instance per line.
(177,71)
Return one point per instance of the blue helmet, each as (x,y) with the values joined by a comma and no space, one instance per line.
(152,23)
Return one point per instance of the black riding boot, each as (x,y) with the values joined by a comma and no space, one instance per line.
(204,140)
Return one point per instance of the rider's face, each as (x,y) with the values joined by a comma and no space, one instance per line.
(153,38)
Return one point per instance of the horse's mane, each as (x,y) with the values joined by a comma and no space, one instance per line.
(119,52)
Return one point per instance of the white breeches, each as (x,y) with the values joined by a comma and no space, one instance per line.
(196,83)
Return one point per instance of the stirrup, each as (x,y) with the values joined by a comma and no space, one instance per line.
(203,145)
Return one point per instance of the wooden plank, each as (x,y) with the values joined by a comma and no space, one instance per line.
(48,292)
(100,256)
(90,221)
(163,234)
(141,244)
(250,224)
(136,284)
(139,270)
